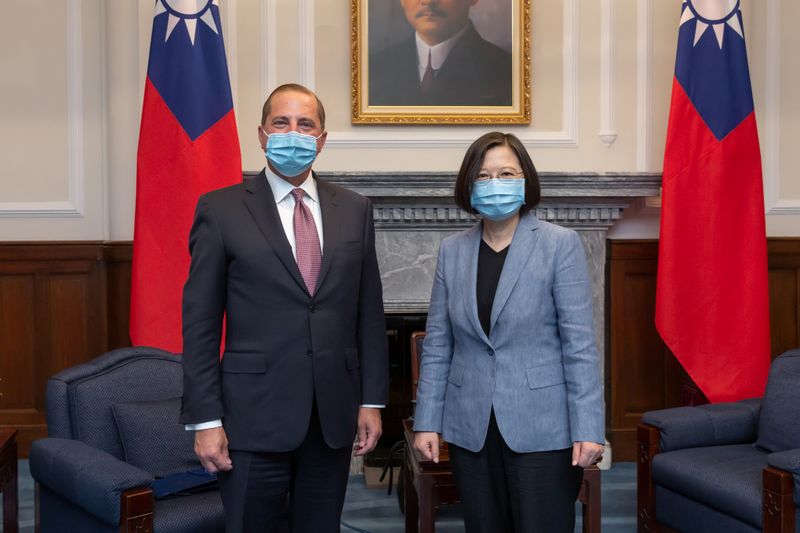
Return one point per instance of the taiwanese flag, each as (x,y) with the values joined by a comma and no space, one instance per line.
(712,300)
(188,145)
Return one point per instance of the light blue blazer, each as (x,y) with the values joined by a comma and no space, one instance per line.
(539,368)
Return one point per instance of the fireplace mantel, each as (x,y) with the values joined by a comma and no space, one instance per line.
(418,201)
(414,211)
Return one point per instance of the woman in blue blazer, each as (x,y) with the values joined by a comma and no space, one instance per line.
(509,372)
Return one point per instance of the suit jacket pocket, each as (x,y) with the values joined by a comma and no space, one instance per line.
(545,375)
(244,362)
(456,376)
(351,358)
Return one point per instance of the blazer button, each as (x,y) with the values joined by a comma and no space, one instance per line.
(490,352)
(313,308)
(310,353)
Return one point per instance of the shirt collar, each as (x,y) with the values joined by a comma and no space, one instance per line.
(439,52)
(282,188)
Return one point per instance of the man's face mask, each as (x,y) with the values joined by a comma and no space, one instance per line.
(291,153)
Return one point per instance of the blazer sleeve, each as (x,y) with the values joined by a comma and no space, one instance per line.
(372,344)
(573,301)
(437,353)
(203,310)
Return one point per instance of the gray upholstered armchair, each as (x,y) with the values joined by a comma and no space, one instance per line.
(728,467)
(113,428)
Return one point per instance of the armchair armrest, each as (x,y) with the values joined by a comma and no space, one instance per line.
(706,425)
(90,478)
(789,461)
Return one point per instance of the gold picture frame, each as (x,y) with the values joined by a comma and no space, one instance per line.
(475,87)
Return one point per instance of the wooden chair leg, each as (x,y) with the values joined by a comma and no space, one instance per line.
(648,437)
(136,510)
(778,511)
(411,502)
(591,499)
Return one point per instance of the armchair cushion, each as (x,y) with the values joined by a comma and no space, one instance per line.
(90,478)
(198,513)
(789,461)
(726,478)
(153,439)
(706,425)
(779,423)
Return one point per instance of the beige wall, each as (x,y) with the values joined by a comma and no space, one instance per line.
(74,70)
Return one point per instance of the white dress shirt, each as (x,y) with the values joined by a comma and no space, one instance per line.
(438,52)
(284,200)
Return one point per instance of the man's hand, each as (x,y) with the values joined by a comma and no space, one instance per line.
(427,442)
(211,447)
(586,453)
(369,430)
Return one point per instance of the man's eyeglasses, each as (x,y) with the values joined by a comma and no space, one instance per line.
(504,174)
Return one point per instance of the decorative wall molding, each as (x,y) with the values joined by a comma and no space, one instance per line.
(644,83)
(73,206)
(567,137)
(607,132)
(411,201)
(269,45)
(772,109)
(449,138)
(772,121)
(306,41)
(232,49)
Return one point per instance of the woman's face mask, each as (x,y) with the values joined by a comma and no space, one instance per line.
(498,198)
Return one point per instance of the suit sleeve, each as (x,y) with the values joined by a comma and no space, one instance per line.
(372,344)
(203,310)
(573,300)
(437,353)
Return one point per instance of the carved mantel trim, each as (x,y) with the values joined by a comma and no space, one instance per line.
(411,201)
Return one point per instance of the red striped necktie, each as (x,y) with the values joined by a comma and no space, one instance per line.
(309,255)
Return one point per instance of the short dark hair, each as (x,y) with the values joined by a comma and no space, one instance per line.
(296,87)
(473,160)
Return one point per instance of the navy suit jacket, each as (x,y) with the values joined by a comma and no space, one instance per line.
(283,346)
(475,73)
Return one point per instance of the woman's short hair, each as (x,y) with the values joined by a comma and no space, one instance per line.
(473,160)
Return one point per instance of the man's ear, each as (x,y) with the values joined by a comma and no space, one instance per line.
(321,141)
(262,137)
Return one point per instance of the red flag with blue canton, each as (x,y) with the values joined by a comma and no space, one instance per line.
(712,297)
(188,145)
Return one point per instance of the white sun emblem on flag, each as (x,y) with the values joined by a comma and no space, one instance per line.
(712,13)
(188,11)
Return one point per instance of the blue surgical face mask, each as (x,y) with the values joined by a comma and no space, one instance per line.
(498,199)
(291,153)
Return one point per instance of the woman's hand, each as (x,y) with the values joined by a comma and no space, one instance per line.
(586,453)
(427,442)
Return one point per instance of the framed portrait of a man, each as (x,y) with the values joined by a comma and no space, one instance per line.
(441,61)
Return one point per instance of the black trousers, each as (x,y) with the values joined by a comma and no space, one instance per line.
(505,491)
(313,478)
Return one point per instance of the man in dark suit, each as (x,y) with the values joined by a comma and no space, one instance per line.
(444,63)
(289,262)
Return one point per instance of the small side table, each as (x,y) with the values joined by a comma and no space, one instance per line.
(8,479)
(427,484)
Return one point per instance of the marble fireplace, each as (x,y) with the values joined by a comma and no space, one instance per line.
(414,211)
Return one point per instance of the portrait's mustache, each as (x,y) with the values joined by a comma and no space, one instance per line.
(430,12)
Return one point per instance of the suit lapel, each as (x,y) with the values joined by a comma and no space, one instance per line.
(331,222)
(522,245)
(261,204)
(469,257)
